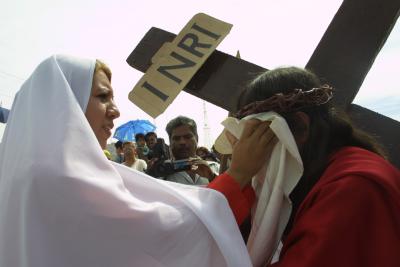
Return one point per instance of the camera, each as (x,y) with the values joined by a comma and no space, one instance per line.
(164,165)
(164,168)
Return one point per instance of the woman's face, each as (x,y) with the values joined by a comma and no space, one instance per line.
(101,109)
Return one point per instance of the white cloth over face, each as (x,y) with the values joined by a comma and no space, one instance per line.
(62,203)
(272,184)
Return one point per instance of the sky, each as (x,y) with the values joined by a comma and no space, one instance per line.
(268,33)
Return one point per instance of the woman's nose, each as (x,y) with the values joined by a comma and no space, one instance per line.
(113,111)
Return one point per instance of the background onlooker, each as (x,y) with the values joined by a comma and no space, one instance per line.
(131,159)
(182,132)
(119,158)
(141,147)
(151,139)
(107,154)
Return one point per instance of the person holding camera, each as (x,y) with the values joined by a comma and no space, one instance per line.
(192,170)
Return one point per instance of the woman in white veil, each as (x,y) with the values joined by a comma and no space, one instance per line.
(62,203)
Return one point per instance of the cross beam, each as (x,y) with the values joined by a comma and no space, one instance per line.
(221,70)
(351,43)
(343,57)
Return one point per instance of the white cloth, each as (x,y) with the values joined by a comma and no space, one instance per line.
(214,166)
(62,203)
(272,184)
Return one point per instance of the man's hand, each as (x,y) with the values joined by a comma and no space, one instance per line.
(151,162)
(201,167)
(250,151)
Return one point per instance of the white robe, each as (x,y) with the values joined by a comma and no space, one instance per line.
(62,203)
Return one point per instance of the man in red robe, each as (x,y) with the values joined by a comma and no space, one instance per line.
(346,206)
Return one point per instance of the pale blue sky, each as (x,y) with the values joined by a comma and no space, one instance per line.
(268,33)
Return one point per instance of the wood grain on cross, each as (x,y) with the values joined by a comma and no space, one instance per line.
(343,58)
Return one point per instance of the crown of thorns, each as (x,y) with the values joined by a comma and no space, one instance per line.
(290,102)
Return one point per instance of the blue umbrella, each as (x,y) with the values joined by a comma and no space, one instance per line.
(127,131)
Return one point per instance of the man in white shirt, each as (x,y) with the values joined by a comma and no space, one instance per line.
(130,156)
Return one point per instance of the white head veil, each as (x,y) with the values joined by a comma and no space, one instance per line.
(62,203)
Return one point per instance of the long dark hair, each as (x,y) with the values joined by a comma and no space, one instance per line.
(329,130)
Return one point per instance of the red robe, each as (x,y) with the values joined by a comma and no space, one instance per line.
(351,217)
(240,200)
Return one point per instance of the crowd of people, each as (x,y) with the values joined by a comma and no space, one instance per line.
(182,161)
(63,203)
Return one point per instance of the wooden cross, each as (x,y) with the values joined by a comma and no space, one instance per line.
(343,57)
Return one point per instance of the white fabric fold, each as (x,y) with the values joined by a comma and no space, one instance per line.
(62,203)
(273,183)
